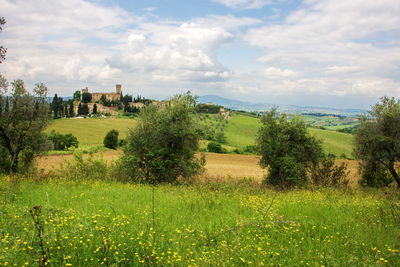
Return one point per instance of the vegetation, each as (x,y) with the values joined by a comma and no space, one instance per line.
(111,139)
(287,149)
(63,141)
(3,50)
(214,147)
(211,127)
(86,97)
(206,108)
(162,147)
(77,95)
(23,118)
(91,131)
(212,224)
(377,142)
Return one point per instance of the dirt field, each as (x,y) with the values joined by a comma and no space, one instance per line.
(218,166)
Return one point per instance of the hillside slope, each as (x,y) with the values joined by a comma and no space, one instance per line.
(242,130)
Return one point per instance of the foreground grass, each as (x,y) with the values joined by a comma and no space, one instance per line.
(93,224)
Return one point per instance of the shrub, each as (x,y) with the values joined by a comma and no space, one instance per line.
(373,174)
(111,139)
(80,169)
(326,173)
(287,149)
(63,141)
(214,147)
(162,147)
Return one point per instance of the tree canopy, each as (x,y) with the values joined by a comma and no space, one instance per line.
(23,117)
(377,142)
(162,147)
(287,149)
(3,50)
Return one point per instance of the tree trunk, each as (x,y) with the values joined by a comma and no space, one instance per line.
(394,173)
(14,162)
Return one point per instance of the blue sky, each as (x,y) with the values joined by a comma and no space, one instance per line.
(335,53)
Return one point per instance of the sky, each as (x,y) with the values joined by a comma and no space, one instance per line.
(333,53)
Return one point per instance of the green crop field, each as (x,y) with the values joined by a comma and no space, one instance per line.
(91,131)
(106,223)
(241,131)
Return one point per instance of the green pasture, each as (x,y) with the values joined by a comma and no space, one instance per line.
(91,131)
(110,224)
(241,131)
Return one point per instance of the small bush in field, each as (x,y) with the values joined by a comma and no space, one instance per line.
(214,147)
(327,174)
(111,139)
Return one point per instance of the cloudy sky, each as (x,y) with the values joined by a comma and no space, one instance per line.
(337,53)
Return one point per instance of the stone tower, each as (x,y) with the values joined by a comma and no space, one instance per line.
(118,89)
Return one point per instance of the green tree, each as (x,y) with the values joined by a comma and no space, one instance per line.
(63,141)
(214,147)
(111,139)
(3,50)
(84,109)
(287,149)
(377,142)
(86,97)
(80,109)
(162,147)
(22,125)
(77,96)
(71,112)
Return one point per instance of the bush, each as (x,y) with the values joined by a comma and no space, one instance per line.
(373,174)
(287,149)
(63,141)
(327,174)
(111,139)
(80,169)
(162,147)
(214,147)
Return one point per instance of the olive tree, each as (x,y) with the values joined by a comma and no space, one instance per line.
(377,143)
(161,148)
(287,149)
(23,117)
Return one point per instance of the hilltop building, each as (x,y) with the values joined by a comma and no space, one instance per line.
(109,96)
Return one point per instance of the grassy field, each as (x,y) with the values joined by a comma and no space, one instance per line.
(215,224)
(91,132)
(241,131)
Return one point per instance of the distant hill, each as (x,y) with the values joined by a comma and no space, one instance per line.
(247,106)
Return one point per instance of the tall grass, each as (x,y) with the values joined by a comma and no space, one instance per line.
(107,223)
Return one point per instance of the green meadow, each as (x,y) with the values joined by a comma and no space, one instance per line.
(91,131)
(97,223)
(241,131)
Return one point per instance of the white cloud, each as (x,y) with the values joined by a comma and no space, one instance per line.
(335,48)
(245,4)
(76,43)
